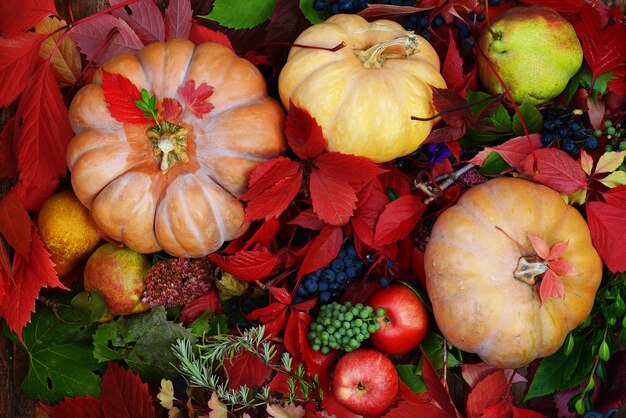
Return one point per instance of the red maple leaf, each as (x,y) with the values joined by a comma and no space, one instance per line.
(80,406)
(603,49)
(556,169)
(178,18)
(120,95)
(171,109)
(200,34)
(246,369)
(145,19)
(15,224)
(196,99)
(124,395)
(247,265)
(607,227)
(18,58)
(20,15)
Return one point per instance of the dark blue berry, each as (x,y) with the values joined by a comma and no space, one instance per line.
(310,285)
(349,260)
(422,22)
(337,265)
(546,139)
(564,132)
(352,272)
(494,2)
(425,35)
(351,250)
(370,258)
(593,414)
(438,21)
(464,31)
(575,126)
(471,15)
(480,17)
(328,275)
(570,147)
(322,286)
(384,281)
(341,277)
(325,297)
(319,5)
(548,126)
(333,286)
(592,143)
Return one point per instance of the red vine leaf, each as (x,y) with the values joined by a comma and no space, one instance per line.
(551,285)
(178,18)
(121,94)
(445,99)
(18,58)
(371,203)
(333,200)
(513,151)
(20,15)
(566,6)
(145,19)
(607,227)
(603,49)
(268,174)
(488,392)
(556,169)
(525,413)
(562,267)
(616,197)
(40,150)
(15,224)
(171,109)
(452,69)
(80,406)
(295,332)
(8,162)
(321,250)
(309,220)
(246,369)
(348,168)
(251,265)
(209,302)
(435,387)
(398,219)
(196,99)
(124,395)
(540,246)
(557,250)
(91,37)
(303,133)
(200,34)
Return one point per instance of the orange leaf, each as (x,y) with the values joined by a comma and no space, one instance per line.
(551,285)
(66,59)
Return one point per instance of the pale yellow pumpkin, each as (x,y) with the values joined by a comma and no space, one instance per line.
(364,94)
(478,303)
(187,206)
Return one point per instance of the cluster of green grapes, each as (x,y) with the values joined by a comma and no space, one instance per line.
(343,326)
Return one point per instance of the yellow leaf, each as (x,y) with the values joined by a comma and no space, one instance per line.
(166,394)
(616,178)
(610,161)
(586,162)
(218,409)
(578,196)
(66,59)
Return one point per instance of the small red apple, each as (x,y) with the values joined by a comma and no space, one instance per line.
(365,382)
(405,322)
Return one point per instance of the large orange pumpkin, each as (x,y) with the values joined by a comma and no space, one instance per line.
(189,207)
(364,94)
(471,267)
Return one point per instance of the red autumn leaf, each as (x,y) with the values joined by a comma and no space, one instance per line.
(19,15)
(607,227)
(29,276)
(435,387)
(306,305)
(557,250)
(15,224)
(348,168)
(40,150)
(334,201)
(371,203)
(381,11)
(267,313)
(413,404)
(33,195)
(487,392)
(281,294)
(295,332)
(246,369)
(265,234)
(562,267)
(268,174)
(5,279)
(540,246)
(196,99)
(80,406)
(603,49)
(255,264)
(452,70)
(178,18)
(444,99)
(556,169)
(91,36)
(566,6)
(145,19)
(525,413)
(398,219)
(274,200)
(5,262)
(616,197)
(446,133)
(322,249)
(304,135)
(200,34)
(308,219)
(171,109)
(334,408)
(208,302)
(8,162)
(124,395)
(498,410)
(121,94)
(551,285)
(512,151)
(18,58)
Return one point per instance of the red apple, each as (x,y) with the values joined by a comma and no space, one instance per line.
(405,322)
(365,382)
(118,273)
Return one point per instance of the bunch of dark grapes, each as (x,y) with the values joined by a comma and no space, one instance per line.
(562,130)
(354,6)
(343,326)
(608,414)
(330,281)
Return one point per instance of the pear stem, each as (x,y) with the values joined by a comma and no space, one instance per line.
(494,34)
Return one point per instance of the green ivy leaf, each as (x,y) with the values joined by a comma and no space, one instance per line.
(241,14)
(532,119)
(312,15)
(411,375)
(61,359)
(494,164)
(143,341)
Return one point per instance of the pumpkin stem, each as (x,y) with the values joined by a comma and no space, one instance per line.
(170,144)
(529,269)
(374,56)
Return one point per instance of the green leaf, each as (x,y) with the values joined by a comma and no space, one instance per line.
(312,15)
(61,360)
(241,14)
(555,372)
(209,324)
(432,344)
(494,164)
(583,79)
(144,341)
(532,119)
(411,375)
(483,137)
(501,120)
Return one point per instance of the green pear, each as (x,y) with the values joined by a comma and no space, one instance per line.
(535,51)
